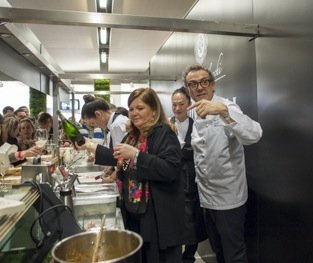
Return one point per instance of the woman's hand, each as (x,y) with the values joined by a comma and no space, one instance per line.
(81,147)
(88,145)
(91,157)
(33,151)
(66,144)
(125,151)
(109,177)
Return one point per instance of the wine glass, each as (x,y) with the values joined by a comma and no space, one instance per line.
(41,137)
(3,188)
(4,166)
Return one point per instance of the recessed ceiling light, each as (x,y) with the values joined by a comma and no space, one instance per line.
(103,57)
(103,4)
(103,35)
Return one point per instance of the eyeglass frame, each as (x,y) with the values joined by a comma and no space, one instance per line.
(200,82)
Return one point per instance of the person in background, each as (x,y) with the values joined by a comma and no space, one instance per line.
(84,129)
(26,134)
(9,114)
(151,188)
(1,123)
(97,132)
(220,131)
(194,224)
(25,109)
(7,109)
(8,133)
(1,119)
(20,114)
(112,107)
(97,114)
(122,110)
(20,156)
(45,121)
(10,130)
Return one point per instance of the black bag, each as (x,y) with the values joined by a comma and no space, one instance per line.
(135,194)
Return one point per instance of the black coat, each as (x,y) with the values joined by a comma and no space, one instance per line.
(161,167)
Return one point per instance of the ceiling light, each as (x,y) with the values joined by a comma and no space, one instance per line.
(103,35)
(103,4)
(103,57)
(4,35)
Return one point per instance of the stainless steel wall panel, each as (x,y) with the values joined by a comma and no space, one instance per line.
(271,79)
(285,178)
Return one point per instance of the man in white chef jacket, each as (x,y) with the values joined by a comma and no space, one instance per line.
(220,131)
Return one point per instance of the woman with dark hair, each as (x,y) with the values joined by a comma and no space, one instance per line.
(88,98)
(149,161)
(122,111)
(7,109)
(97,114)
(45,121)
(194,224)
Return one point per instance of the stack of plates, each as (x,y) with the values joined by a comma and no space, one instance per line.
(9,207)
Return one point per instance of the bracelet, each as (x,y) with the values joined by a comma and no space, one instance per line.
(136,157)
(20,155)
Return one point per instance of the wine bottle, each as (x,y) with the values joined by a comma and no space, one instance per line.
(71,130)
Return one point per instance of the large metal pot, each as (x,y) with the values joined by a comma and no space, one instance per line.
(115,246)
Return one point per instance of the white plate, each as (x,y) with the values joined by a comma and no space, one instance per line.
(9,207)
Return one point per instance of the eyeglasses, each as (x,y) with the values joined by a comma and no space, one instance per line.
(194,84)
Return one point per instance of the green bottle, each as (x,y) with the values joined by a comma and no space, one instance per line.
(70,130)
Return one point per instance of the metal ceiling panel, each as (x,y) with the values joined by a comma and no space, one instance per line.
(139,29)
(75,49)
(89,19)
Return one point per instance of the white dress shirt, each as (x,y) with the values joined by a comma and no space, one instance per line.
(117,128)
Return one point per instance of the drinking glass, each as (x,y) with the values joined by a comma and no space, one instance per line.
(41,137)
(3,187)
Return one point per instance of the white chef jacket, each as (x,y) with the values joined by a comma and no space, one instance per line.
(219,156)
(117,128)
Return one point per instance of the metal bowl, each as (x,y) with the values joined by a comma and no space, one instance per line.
(115,246)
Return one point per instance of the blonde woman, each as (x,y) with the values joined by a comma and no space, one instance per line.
(26,134)
(9,132)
